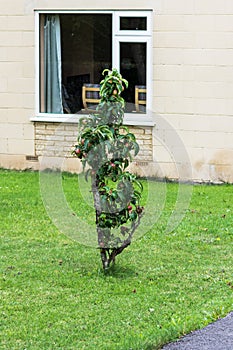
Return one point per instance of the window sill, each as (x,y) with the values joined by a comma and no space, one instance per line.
(129,119)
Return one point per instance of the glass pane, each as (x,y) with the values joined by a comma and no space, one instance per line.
(133,23)
(133,68)
(86,50)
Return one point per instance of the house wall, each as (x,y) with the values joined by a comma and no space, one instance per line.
(193,82)
(54,143)
(192,85)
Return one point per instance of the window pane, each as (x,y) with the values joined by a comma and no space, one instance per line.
(86,49)
(133,68)
(133,23)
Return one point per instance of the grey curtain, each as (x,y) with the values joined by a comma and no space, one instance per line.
(52,65)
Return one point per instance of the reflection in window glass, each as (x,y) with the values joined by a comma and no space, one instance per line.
(133,23)
(133,68)
(86,50)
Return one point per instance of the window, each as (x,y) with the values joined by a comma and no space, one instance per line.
(75,47)
(133,23)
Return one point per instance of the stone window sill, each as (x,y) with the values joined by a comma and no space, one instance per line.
(129,119)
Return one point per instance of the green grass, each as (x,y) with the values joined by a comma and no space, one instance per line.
(54,294)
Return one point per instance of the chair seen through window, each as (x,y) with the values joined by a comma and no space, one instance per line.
(90,97)
(140,98)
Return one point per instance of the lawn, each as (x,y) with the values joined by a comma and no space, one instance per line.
(54,294)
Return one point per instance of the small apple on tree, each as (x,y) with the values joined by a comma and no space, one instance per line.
(106,147)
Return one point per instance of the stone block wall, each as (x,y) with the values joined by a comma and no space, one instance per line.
(56,140)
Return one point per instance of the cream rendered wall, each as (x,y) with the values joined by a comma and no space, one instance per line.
(192,81)
(16,84)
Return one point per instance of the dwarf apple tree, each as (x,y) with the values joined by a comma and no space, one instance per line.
(106,147)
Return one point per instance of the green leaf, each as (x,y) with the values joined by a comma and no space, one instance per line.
(124,128)
(131,136)
(136,148)
(126,163)
(133,216)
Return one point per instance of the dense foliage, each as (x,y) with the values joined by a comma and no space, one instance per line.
(105,148)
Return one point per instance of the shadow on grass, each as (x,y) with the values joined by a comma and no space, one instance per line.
(118,271)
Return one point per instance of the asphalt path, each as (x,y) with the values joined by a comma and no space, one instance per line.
(216,336)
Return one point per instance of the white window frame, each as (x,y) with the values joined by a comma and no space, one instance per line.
(126,13)
(116,62)
(117,37)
